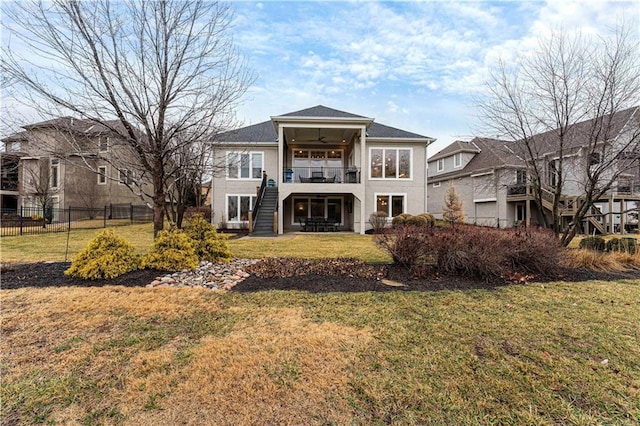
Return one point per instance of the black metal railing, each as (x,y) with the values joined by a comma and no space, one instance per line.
(35,220)
(321,175)
(258,202)
(517,189)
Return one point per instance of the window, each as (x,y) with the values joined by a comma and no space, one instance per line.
(244,165)
(125,177)
(594,158)
(391,204)
(440,165)
(102,175)
(238,207)
(330,208)
(521,177)
(390,163)
(520,213)
(436,185)
(305,162)
(54,174)
(552,173)
(15,146)
(457,160)
(103,144)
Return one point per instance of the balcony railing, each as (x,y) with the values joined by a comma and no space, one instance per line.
(321,175)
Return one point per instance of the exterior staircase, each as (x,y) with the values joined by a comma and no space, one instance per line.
(263,226)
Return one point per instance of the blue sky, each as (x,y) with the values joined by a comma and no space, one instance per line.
(412,65)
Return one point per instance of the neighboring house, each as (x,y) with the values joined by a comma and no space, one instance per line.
(322,164)
(69,162)
(493,185)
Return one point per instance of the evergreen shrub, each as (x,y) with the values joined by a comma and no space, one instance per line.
(623,245)
(172,251)
(593,243)
(207,242)
(106,256)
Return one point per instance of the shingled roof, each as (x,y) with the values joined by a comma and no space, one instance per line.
(454,148)
(321,111)
(265,131)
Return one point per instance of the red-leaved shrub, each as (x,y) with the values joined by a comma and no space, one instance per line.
(484,253)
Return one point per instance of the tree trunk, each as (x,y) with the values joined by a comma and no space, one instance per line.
(158,211)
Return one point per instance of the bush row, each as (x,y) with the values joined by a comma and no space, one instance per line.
(624,245)
(473,251)
(108,255)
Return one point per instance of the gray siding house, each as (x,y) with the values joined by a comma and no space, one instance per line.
(319,163)
(491,178)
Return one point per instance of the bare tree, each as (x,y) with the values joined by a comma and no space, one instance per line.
(43,184)
(569,100)
(158,75)
(191,165)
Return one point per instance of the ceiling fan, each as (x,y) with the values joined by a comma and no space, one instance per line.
(320,139)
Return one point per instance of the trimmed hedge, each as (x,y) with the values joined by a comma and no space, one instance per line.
(593,243)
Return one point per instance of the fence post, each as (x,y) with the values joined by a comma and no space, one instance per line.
(131,212)
(104,217)
(69,228)
(21,212)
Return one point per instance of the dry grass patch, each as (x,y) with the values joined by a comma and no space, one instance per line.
(601,261)
(528,354)
(311,246)
(53,246)
(277,368)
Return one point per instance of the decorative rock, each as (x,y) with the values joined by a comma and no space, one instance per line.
(208,275)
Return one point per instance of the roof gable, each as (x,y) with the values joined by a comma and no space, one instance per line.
(321,111)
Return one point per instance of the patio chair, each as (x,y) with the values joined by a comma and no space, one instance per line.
(303,223)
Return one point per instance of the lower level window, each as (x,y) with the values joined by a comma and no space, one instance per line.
(330,208)
(238,207)
(391,204)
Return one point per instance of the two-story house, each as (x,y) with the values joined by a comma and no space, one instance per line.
(69,162)
(321,164)
(493,183)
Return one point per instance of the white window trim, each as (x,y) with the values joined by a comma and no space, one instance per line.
(440,165)
(390,194)
(436,184)
(239,153)
(397,149)
(100,144)
(128,177)
(308,198)
(226,206)
(457,164)
(101,175)
(55,166)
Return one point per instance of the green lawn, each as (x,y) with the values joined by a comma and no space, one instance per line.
(53,246)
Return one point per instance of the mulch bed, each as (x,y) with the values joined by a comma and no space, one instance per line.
(331,277)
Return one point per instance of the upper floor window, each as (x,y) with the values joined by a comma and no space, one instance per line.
(594,158)
(457,160)
(54,175)
(103,144)
(521,177)
(102,175)
(391,163)
(125,177)
(245,165)
(440,165)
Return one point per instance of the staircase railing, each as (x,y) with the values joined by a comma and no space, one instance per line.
(258,202)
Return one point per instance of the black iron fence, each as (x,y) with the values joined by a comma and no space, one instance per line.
(34,220)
